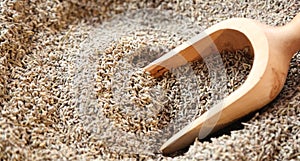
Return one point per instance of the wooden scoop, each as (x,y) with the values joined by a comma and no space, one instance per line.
(272,48)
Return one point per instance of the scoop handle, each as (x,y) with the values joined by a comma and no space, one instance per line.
(287,37)
(293,29)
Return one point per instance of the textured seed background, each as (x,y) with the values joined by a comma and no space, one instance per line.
(55,79)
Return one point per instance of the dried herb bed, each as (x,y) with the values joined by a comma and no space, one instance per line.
(39,118)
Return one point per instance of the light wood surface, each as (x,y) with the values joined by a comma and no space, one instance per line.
(272,48)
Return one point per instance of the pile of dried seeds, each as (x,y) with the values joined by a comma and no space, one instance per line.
(138,103)
(40,43)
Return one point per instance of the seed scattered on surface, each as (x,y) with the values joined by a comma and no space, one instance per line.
(40,118)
